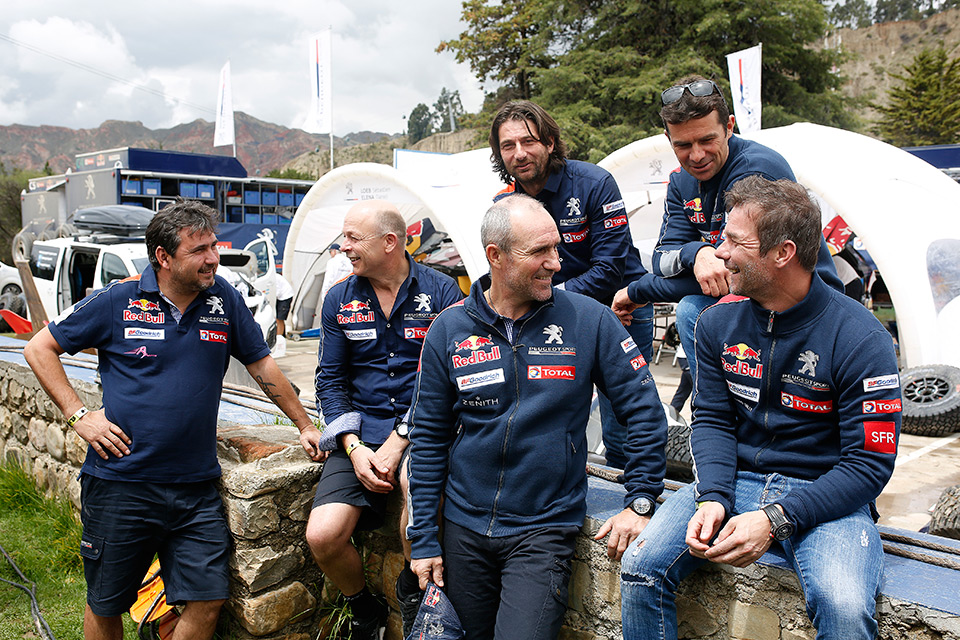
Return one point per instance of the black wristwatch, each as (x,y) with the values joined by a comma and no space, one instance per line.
(643,507)
(403,430)
(780,527)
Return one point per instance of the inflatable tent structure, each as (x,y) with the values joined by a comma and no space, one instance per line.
(905,212)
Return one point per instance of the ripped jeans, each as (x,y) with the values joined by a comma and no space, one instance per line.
(839,564)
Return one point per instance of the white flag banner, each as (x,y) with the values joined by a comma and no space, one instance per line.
(744,69)
(320,117)
(223,134)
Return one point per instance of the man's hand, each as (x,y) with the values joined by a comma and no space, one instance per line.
(103,435)
(713,277)
(371,472)
(624,307)
(623,529)
(428,570)
(389,455)
(742,540)
(310,441)
(703,526)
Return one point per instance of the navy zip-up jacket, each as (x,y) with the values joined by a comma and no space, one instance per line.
(499,428)
(596,248)
(812,393)
(695,214)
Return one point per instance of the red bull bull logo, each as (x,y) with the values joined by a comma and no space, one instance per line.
(473,343)
(693,204)
(354,306)
(143,304)
(741,351)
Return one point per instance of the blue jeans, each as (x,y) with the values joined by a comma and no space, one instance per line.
(614,434)
(687,312)
(839,564)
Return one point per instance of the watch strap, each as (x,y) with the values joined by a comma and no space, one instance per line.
(75,418)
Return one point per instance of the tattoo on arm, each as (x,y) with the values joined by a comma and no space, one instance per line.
(268,389)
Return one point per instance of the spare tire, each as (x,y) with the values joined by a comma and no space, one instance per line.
(66,230)
(679,455)
(931,400)
(946,514)
(15,303)
(23,245)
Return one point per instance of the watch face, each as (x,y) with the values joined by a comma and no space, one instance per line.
(783,531)
(402,429)
(642,506)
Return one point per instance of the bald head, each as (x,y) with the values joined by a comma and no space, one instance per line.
(382,216)
(499,221)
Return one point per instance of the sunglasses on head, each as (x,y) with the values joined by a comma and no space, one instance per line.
(698,88)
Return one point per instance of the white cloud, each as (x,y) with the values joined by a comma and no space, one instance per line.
(384,62)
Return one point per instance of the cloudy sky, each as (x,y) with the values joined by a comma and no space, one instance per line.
(383,60)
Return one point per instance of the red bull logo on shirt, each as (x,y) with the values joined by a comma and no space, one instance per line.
(741,351)
(355,308)
(694,204)
(472,343)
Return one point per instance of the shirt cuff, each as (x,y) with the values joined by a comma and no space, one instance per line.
(346,423)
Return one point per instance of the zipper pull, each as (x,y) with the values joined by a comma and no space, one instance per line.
(770,323)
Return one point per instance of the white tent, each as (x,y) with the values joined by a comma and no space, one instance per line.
(435,186)
(906,212)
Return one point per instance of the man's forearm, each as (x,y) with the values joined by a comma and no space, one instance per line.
(278,389)
(42,353)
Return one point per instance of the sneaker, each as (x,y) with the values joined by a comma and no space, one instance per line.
(371,628)
(409,606)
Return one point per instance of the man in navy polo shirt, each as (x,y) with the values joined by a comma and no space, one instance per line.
(373,323)
(596,248)
(164,341)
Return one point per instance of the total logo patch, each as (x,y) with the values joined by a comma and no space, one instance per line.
(480,379)
(891,381)
(360,334)
(611,223)
(883,406)
(742,391)
(638,362)
(804,404)
(476,357)
(415,333)
(213,336)
(880,437)
(142,316)
(138,333)
(572,237)
(544,372)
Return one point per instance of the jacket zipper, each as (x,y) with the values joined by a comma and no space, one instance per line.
(767,397)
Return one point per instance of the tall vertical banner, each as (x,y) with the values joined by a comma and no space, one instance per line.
(320,116)
(744,67)
(223,134)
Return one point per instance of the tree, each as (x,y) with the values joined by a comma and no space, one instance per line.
(11,184)
(924,108)
(446,105)
(419,124)
(506,41)
(853,14)
(894,10)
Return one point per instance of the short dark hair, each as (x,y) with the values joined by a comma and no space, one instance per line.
(164,228)
(781,210)
(691,107)
(547,128)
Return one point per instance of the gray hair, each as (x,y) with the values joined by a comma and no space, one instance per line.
(389,221)
(164,228)
(496,228)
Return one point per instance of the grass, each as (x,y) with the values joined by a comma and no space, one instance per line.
(42,535)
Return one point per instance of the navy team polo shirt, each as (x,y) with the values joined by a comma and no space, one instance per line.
(161,379)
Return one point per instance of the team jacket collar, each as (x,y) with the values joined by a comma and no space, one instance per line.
(799,315)
(476,303)
(552,184)
(412,276)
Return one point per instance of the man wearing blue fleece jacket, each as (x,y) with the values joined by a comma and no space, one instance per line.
(499,431)
(796,420)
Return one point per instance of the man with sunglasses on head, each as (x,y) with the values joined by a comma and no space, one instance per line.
(699,125)
(596,248)
(374,322)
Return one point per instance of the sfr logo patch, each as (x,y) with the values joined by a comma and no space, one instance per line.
(880,437)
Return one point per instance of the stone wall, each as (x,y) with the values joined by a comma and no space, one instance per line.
(277,591)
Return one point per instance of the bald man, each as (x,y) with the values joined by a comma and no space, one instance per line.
(373,324)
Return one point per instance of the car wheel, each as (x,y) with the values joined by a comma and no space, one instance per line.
(12,288)
(679,455)
(946,514)
(23,245)
(931,400)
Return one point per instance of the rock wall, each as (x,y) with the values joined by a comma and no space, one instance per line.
(278,592)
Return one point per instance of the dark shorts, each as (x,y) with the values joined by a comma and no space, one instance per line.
(339,484)
(126,523)
(283,308)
